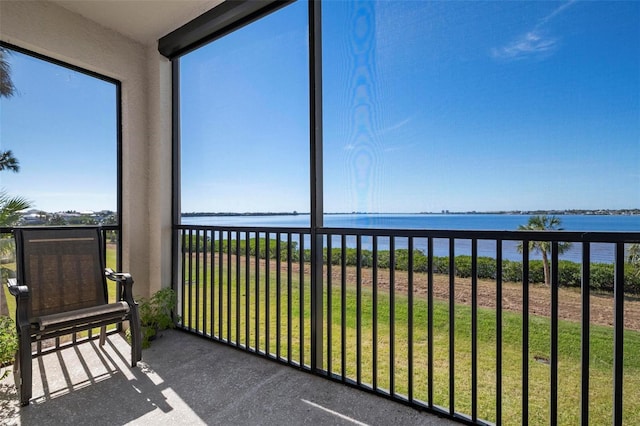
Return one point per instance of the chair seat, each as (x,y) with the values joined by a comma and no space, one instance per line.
(82,316)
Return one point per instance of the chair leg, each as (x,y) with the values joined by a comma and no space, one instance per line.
(22,370)
(136,336)
(17,374)
(103,335)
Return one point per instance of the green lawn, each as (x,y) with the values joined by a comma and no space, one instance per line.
(230,302)
(236,298)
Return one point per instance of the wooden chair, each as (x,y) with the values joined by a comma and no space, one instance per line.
(61,288)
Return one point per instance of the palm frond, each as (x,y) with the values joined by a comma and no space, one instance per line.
(7,89)
(9,162)
(10,208)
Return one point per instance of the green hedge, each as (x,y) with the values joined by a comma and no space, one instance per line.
(199,243)
(570,273)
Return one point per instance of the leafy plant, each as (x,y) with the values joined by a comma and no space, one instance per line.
(8,343)
(155,314)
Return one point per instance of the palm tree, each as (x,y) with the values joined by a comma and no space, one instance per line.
(9,162)
(7,89)
(543,223)
(10,208)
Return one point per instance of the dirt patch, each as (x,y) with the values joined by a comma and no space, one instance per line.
(601,310)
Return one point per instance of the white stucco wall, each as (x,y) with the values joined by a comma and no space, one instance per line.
(160,156)
(53,31)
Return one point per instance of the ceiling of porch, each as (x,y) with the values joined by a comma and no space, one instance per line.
(144,21)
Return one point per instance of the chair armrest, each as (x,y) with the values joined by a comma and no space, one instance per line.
(126,284)
(118,276)
(19,291)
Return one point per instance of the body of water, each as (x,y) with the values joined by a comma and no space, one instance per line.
(492,222)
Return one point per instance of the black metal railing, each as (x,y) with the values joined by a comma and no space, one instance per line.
(434,319)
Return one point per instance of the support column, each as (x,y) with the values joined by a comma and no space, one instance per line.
(315,116)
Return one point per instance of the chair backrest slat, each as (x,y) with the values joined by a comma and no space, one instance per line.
(63,268)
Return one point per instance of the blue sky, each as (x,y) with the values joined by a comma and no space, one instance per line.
(61,126)
(428,106)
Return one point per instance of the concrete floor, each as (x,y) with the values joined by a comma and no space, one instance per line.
(185,380)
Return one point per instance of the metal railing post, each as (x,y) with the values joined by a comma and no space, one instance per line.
(315,117)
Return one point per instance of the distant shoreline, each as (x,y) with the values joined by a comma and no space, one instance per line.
(196,214)
(599,212)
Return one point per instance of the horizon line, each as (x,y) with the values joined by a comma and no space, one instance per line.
(445,212)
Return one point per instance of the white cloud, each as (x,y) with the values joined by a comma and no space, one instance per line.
(533,43)
(556,12)
(397,126)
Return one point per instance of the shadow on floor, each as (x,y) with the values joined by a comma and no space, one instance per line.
(185,380)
